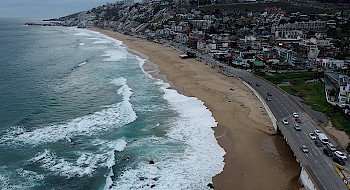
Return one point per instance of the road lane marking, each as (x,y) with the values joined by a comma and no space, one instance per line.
(314,151)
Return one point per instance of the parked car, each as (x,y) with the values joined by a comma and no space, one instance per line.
(285,121)
(331,147)
(295,115)
(257,84)
(318,143)
(304,149)
(297,120)
(268,99)
(340,155)
(328,152)
(312,136)
(297,127)
(316,132)
(338,160)
(323,138)
(269,94)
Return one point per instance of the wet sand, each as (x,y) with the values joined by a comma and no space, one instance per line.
(256,157)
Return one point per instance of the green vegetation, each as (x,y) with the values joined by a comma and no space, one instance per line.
(292,77)
(313,94)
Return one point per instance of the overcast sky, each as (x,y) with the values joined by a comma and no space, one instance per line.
(46,8)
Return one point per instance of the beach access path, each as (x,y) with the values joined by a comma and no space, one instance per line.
(255,157)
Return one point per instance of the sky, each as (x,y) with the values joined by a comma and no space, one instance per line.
(46,8)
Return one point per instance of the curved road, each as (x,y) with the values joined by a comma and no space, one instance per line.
(318,165)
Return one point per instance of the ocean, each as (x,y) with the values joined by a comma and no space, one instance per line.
(77,111)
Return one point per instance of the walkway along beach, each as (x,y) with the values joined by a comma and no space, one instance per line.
(255,157)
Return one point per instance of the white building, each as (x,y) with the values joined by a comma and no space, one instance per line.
(303,26)
(201,24)
(292,34)
(182,38)
(129,2)
(331,63)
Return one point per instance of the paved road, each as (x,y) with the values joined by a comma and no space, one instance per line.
(283,106)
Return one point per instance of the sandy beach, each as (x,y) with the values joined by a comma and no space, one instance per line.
(256,158)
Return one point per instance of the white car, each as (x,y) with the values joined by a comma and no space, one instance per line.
(295,115)
(285,122)
(312,136)
(317,132)
(340,155)
(304,149)
(297,127)
(331,147)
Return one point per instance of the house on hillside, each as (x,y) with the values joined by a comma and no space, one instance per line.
(341,85)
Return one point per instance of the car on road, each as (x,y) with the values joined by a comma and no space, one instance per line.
(250,83)
(328,152)
(257,84)
(285,121)
(297,120)
(312,136)
(295,115)
(268,99)
(323,138)
(316,132)
(331,147)
(269,94)
(340,155)
(318,143)
(304,149)
(338,160)
(297,127)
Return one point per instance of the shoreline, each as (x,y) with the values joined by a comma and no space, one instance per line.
(255,157)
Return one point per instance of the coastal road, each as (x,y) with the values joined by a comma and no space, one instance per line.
(318,165)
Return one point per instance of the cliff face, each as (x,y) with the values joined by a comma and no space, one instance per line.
(118,17)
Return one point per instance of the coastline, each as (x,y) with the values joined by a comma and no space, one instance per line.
(255,157)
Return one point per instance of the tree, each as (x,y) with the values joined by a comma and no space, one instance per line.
(283,21)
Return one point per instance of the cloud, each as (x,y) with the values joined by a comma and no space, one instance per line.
(46,8)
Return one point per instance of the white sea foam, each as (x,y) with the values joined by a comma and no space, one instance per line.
(29,175)
(4,182)
(82,33)
(102,36)
(62,167)
(25,179)
(109,147)
(116,115)
(92,35)
(87,162)
(81,64)
(194,127)
(115,55)
(109,181)
(191,169)
(141,62)
(106,41)
(93,38)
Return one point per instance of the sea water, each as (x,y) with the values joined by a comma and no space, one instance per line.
(77,111)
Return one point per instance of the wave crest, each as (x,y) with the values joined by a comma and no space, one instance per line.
(116,115)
